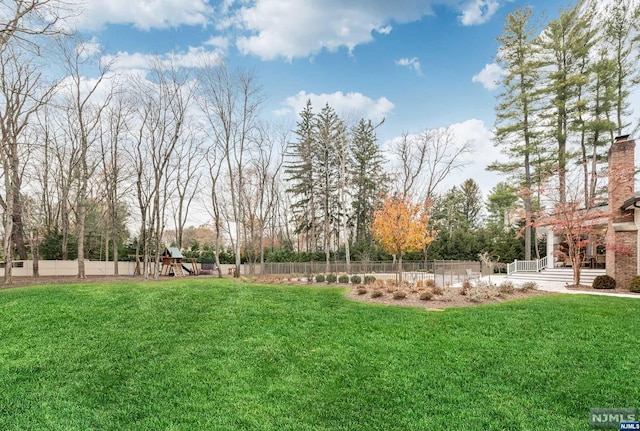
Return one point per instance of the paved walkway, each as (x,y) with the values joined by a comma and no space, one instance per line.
(560,287)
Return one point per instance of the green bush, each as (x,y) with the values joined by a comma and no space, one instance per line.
(604,282)
(343,279)
(634,284)
(320,278)
(331,278)
(355,279)
(369,279)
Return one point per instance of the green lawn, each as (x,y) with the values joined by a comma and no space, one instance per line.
(215,355)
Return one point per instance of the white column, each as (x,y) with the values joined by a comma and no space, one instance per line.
(551,259)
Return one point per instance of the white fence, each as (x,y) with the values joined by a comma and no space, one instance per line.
(527,265)
(24,268)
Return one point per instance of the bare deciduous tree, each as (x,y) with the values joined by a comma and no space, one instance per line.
(84,106)
(230,100)
(20,20)
(162,101)
(427,159)
(21,94)
(114,128)
(189,157)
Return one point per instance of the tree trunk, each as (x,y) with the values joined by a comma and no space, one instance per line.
(81,219)
(8,231)
(35,255)
(116,258)
(18,227)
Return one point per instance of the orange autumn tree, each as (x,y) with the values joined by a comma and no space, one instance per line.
(401,226)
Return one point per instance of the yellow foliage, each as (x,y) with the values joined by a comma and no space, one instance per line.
(401,226)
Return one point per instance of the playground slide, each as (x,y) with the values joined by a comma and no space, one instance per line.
(187,269)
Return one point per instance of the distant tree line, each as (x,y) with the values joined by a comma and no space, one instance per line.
(100,163)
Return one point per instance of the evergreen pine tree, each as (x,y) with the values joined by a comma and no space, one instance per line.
(622,40)
(516,128)
(300,174)
(565,46)
(472,203)
(369,179)
(330,132)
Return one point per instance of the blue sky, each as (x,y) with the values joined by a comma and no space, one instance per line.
(417,63)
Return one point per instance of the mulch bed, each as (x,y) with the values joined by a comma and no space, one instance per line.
(450,298)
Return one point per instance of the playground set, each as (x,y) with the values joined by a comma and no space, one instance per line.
(173,263)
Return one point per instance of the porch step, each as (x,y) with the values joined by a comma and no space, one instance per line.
(558,275)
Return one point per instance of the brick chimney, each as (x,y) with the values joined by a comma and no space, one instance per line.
(622,232)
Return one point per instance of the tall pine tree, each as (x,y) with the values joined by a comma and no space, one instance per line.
(516,112)
(565,46)
(330,132)
(300,175)
(369,179)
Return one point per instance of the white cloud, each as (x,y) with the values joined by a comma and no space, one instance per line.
(292,28)
(193,58)
(142,14)
(218,42)
(89,48)
(411,63)
(348,106)
(489,76)
(478,11)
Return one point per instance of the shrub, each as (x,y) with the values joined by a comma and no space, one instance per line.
(447,295)
(437,290)
(361,290)
(331,278)
(368,279)
(377,293)
(427,295)
(604,282)
(506,287)
(355,279)
(430,282)
(634,284)
(476,297)
(391,285)
(399,294)
(378,284)
(344,279)
(466,286)
(320,278)
(529,285)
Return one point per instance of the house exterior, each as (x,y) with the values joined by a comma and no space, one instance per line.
(624,215)
(618,222)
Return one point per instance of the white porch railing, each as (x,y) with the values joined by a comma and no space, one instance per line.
(527,265)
